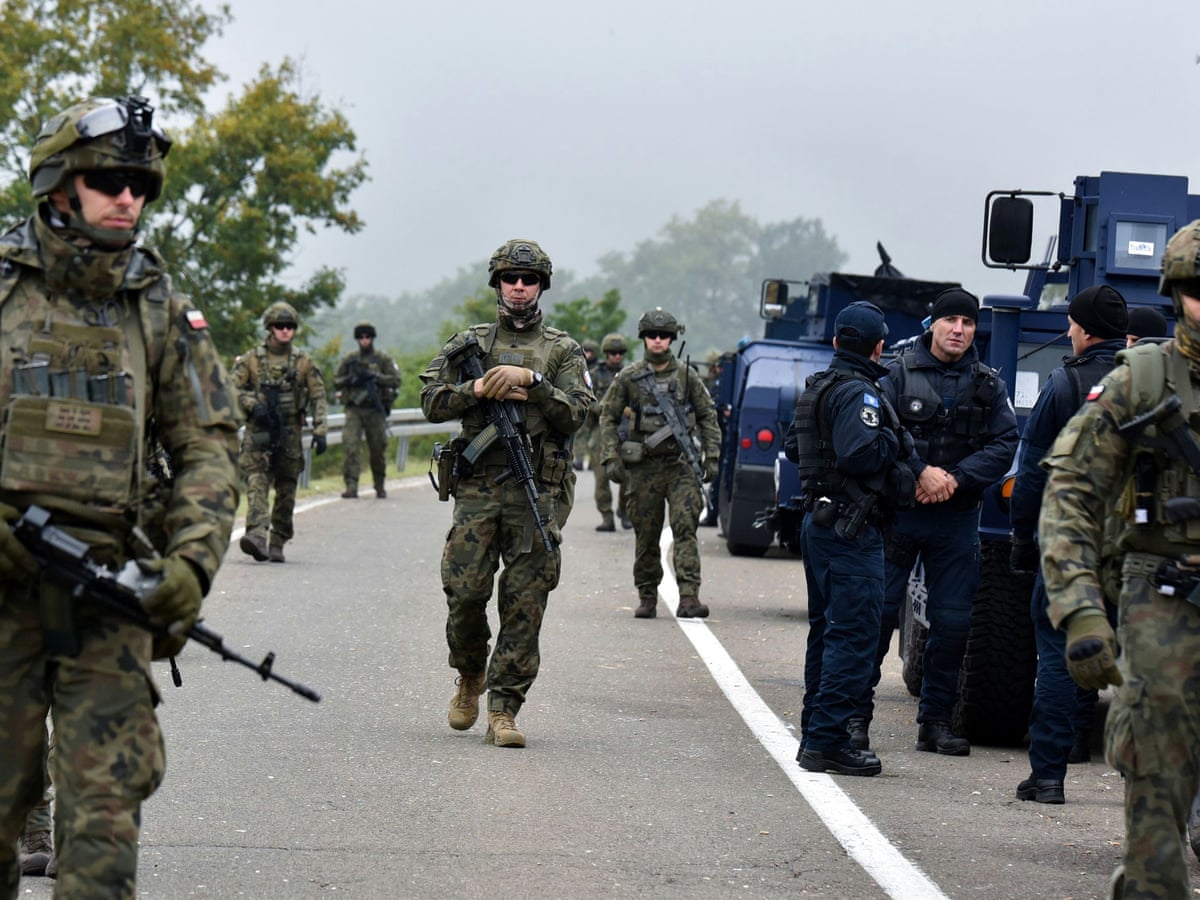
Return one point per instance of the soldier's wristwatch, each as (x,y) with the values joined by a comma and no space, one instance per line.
(536,380)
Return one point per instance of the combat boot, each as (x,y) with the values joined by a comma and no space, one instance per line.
(691,608)
(860,738)
(626,522)
(647,608)
(502,730)
(607,524)
(464,705)
(351,491)
(275,553)
(36,850)
(254,545)
(937,737)
(380,490)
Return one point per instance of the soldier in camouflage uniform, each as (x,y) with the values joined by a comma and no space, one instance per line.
(1136,439)
(367,381)
(102,364)
(278,388)
(586,435)
(650,463)
(539,374)
(613,347)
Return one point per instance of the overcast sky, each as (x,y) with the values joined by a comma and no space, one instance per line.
(587,125)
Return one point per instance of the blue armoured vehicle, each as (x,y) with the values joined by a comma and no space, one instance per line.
(1110,230)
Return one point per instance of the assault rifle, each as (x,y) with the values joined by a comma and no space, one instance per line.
(364,379)
(276,430)
(503,418)
(675,427)
(67,560)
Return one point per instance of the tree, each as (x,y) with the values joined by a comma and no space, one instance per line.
(583,318)
(241,184)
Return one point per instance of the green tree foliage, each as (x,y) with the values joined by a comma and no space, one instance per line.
(583,318)
(242,184)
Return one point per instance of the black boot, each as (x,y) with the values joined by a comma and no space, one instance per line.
(844,762)
(936,737)
(860,739)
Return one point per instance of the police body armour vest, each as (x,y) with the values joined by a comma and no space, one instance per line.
(945,436)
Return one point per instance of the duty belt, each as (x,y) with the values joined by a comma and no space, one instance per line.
(1171,577)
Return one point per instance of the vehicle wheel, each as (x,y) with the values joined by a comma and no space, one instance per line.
(736,549)
(912,633)
(996,683)
(1193,827)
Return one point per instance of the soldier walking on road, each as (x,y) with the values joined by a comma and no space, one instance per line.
(103,367)
(586,434)
(614,348)
(1097,318)
(847,441)
(535,375)
(660,465)
(367,381)
(278,387)
(1135,439)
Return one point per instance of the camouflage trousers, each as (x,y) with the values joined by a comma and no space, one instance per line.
(656,484)
(584,439)
(372,425)
(39,818)
(108,755)
(1152,736)
(261,517)
(493,524)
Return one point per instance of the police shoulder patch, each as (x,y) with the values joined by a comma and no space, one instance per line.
(870,399)
(869,416)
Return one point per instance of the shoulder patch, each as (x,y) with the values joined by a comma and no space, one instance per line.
(587,379)
(869,415)
(1095,392)
(196,320)
(870,399)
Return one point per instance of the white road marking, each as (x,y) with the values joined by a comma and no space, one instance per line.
(880,859)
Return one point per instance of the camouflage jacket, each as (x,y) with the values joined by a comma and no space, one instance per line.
(303,389)
(353,372)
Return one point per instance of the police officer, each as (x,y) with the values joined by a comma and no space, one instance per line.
(846,439)
(614,349)
(279,388)
(965,433)
(1146,323)
(541,372)
(103,368)
(367,381)
(1097,320)
(586,435)
(653,463)
(1135,439)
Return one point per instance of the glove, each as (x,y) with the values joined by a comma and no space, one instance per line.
(615,471)
(1092,650)
(500,380)
(319,444)
(15,558)
(1023,558)
(712,465)
(175,603)
(260,416)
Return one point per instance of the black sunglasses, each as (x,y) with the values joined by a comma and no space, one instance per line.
(614,352)
(113,181)
(284,326)
(531,279)
(659,335)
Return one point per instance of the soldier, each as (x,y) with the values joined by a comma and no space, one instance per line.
(614,348)
(537,376)
(102,369)
(1097,319)
(585,437)
(965,432)
(657,466)
(1135,439)
(367,382)
(278,387)
(846,438)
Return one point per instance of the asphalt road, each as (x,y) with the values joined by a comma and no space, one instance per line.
(660,759)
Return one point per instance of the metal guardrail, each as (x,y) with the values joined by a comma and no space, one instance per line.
(402,423)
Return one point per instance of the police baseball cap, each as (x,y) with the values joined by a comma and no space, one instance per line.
(1100,311)
(861,322)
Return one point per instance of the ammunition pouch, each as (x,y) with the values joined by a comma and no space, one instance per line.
(447,461)
(632,451)
(825,512)
(556,463)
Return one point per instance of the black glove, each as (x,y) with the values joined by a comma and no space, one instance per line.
(260,416)
(1023,558)
(318,444)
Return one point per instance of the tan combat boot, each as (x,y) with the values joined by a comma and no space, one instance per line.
(464,705)
(690,607)
(36,850)
(502,730)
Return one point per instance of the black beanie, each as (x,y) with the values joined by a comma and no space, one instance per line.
(1146,321)
(1100,311)
(955,302)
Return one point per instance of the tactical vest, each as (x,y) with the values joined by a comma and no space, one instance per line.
(291,379)
(648,419)
(75,432)
(943,436)
(1078,375)
(1156,472)
(602,379)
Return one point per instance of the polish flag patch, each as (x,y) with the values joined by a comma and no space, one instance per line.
(196,320)
(1095,392)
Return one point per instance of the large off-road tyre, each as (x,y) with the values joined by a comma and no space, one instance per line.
(747,549)
(995,692)
(912,633)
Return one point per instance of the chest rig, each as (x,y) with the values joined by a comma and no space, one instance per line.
(943,434)
(651,394)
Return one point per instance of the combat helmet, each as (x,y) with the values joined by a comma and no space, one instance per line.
(590,344)
(99,133)
(613,343)
(1181,264)
(519,253)
(280,313)
(658,319)
(364,329)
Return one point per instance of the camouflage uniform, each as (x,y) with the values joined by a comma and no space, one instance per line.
(108,324)
(303,394)
(366,412)
(602,378)
(492,522)
(586,435)
(662,476)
